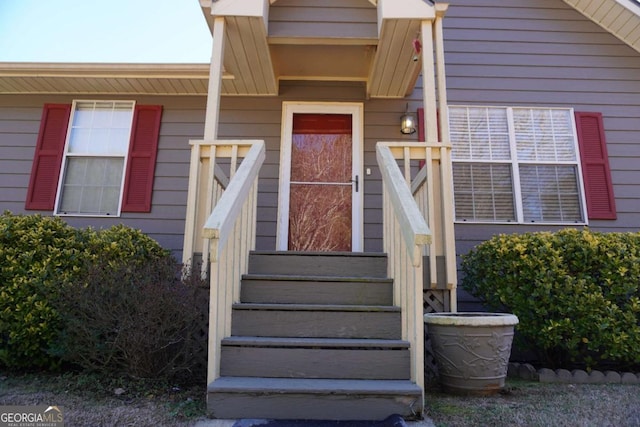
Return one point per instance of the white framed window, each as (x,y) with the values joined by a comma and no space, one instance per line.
(94,160)
(516,164)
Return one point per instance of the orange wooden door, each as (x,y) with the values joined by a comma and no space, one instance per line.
(320,200)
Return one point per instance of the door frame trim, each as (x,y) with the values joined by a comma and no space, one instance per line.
(356,110)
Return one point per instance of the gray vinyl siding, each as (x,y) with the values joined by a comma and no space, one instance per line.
(261,118)
(323,18)
(498,52)
(545,53)
(17,125)
(182,120)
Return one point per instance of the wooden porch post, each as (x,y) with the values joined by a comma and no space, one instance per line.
(429,78)
(436,116)
(196,186)
(215,80)
(446,172)
(210,134)
(431,136)
(212,116)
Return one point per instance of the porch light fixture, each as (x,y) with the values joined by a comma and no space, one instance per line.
(407,123)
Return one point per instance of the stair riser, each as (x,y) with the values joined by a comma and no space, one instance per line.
(290,357)
(313,292)
(318,264)
(312,407)
(316,324)
(315,363)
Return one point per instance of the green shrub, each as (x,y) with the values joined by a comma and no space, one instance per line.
(576,293)
(41,256)
(38,255)
(120,246)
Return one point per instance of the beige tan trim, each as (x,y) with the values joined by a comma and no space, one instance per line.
(95,78)
(618,17)
(80,69)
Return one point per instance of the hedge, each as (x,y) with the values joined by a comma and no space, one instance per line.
(575,292)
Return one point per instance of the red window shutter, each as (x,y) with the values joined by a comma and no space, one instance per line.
(143,149)
(421,129)
(47,160)
(601,202)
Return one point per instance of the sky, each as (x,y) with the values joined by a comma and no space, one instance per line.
(112,31)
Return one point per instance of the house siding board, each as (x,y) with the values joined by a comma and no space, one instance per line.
(545,53)
(323,18)
(261,118)
(515,56)
(16,133)
(181,121)
(498,52)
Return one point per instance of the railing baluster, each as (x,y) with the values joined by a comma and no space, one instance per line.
(234,160)
(211,200)
(192,207)
(407,165)
(213,365)
(431,219)
(449,234)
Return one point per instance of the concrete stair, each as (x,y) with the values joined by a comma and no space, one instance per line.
(315,336)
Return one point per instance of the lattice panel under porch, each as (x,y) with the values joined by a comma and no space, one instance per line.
(436,301)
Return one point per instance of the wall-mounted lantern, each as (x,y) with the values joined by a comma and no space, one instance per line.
(407,123)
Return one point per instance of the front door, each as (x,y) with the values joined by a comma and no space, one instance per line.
(320,202)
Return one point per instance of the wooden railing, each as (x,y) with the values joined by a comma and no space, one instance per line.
(405,233)
(207,182)
(432,188)
(229,231)
(418,226)
(427,168)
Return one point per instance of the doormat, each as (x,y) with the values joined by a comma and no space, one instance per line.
(392,421)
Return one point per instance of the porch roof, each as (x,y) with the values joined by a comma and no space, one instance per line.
(255,60)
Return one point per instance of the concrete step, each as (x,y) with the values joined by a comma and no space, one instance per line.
(313,399)
(316,321)
(315,358)
(289,289)
(339,264)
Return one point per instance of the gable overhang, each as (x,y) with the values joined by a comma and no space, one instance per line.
(397,65)
(247,68)
(619,17)
(255,61)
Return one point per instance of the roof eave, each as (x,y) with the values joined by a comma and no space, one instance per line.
(105,79)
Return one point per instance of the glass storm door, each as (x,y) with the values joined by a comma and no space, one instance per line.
(323,184)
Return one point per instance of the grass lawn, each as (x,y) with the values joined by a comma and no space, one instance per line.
(92,400)
(538,404)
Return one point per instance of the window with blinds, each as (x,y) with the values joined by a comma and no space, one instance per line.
(514,164)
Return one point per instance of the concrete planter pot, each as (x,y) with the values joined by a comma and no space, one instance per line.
(471,350)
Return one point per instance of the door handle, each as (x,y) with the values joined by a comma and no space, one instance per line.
(357,182)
